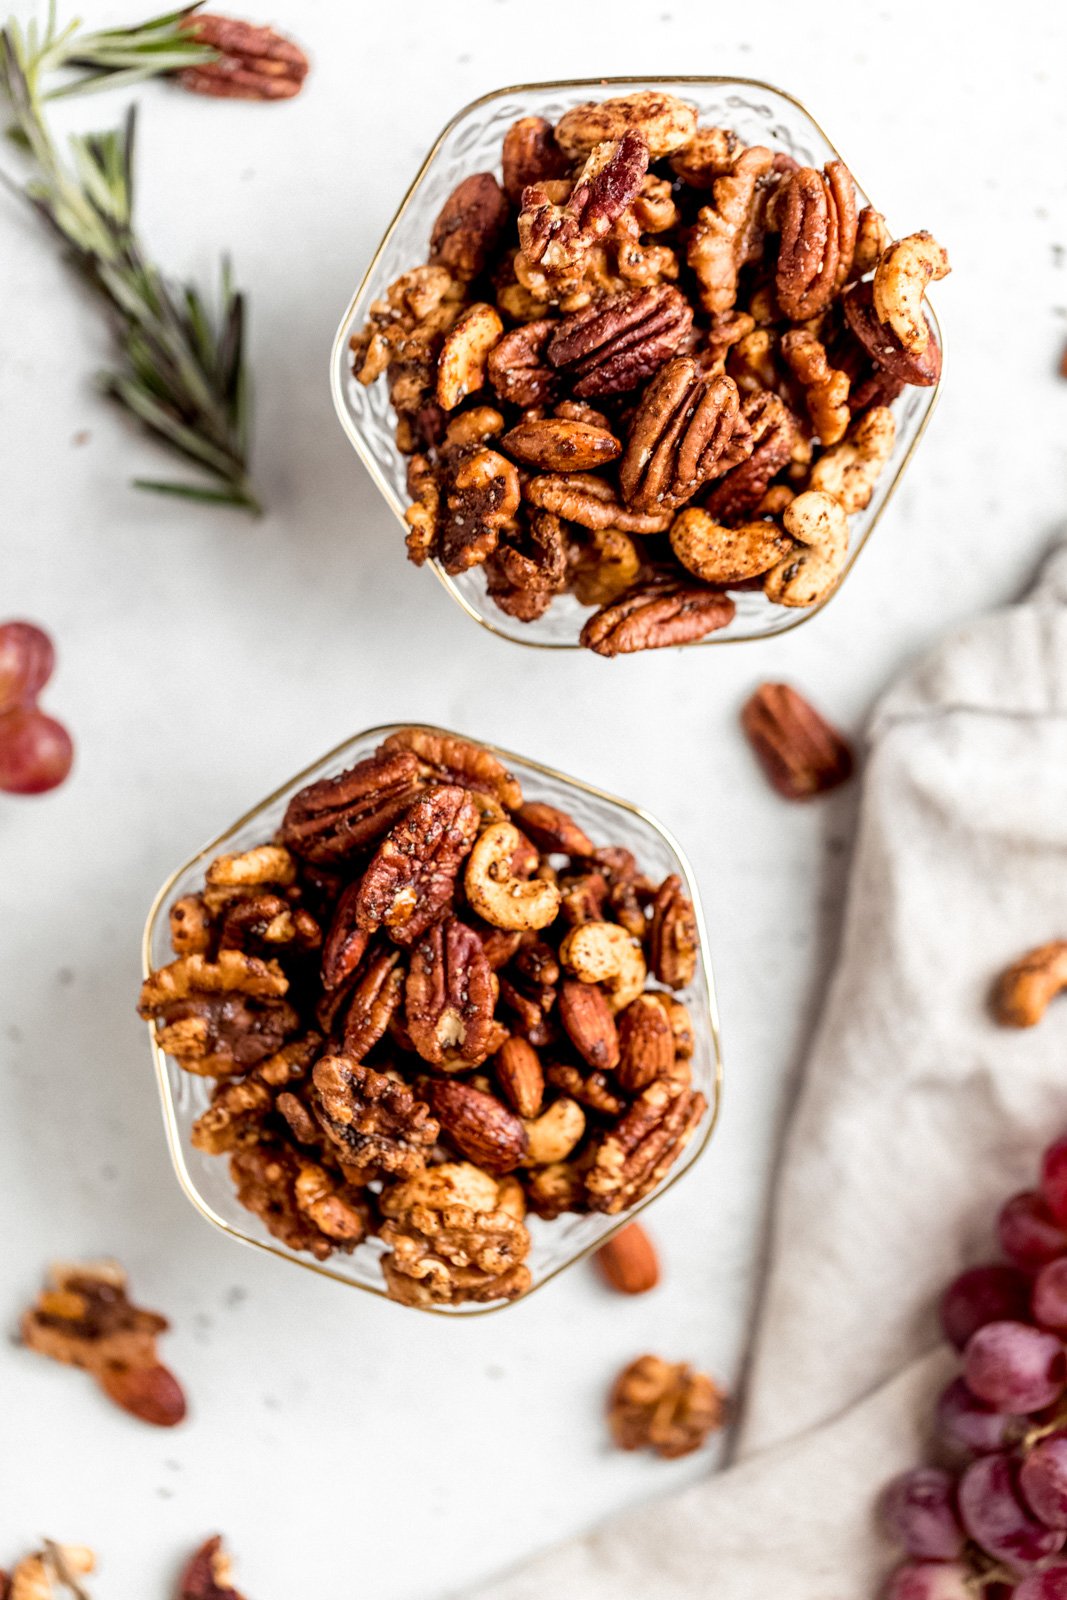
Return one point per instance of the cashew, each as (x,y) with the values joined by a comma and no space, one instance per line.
(461,365)
(454,1183)
(872,237)
(512,1198)
(607,563)
(1024,991)
(496,894)
(553,1135)
(850,470)
(725,555)
(475,426)
(806,576)
(604,953)
(267,863)
(900,281)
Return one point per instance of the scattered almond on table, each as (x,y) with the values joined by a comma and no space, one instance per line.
(84,1318)
(628,1261)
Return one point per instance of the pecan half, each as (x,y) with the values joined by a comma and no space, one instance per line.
(410,883)
(816,216)
(376,1124)
(557,238)
(653,615)
(800,752)
(774,432)
(618,342)
(480,1127)
(346,943)
(518,369)
(591,1089)
(631,1159)
(375,997)
(592,503)
(726,231)
(553,830)
(673,940)
(208,1575)
(449,997)
(254,63)
(682,435)
(530,154)
(448,759)
(469,226)
(826,388)
(334,817)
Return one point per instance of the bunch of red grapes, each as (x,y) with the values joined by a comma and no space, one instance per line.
(35,750)
(994,1523)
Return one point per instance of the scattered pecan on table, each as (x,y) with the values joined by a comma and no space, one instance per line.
(647,328)
(207,1574)
(253,63)
(800,752)
(429,1006)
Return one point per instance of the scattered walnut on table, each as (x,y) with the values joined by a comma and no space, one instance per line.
(663,1406)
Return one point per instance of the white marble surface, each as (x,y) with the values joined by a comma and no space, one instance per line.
(347,1447)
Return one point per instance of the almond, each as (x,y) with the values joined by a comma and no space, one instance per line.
(646,1043)
(519,1074)
(152,1394)
(628,1261)
(557,445)
(586,1015)
(480,1127)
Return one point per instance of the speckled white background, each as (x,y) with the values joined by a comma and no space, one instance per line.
(346,1447)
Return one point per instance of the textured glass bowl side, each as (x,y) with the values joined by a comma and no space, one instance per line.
(205,1179)
(471,143)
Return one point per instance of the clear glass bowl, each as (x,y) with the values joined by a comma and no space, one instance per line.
(471,143)
(555,1245)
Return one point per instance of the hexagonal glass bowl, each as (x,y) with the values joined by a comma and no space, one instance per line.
(470,143)
(555,1245)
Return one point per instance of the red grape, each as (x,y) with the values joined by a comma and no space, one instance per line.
(35,751)
(993,1513)
(1054,1178)
(930,1580)
(1015,1367)
(1029,1233)
(1043,1480)
(1048,1585)
(1049,1300)
(919,1511)
(984,1294)
(969,1424)
(26,663)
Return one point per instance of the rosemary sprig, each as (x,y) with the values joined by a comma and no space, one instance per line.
(181,370)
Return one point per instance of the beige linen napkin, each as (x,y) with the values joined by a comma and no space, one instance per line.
(917,1117)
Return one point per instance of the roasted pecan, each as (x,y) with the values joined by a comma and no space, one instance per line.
(266,1179)
(592,1089)
(727,231)
(815,214)
(84,1318)
(332,818)
(774,431)
(376,1124)
(619,342)
(346,943)
(553,830)
(631,1159)
(449,997)
(447,759)
(646,1044)
(469,226)
(663,1407)
(555,445)
(376,995)
(592,503)
(410,883)
(530,154)
(653,615)
(253,63)
(208,1575)
(882,344)
(518,369)
(480,1127)
(673,938)
(587,1017)
(519,1074)
(557,238)
(800,752)
(665,123)
(826,388)
(684,433)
